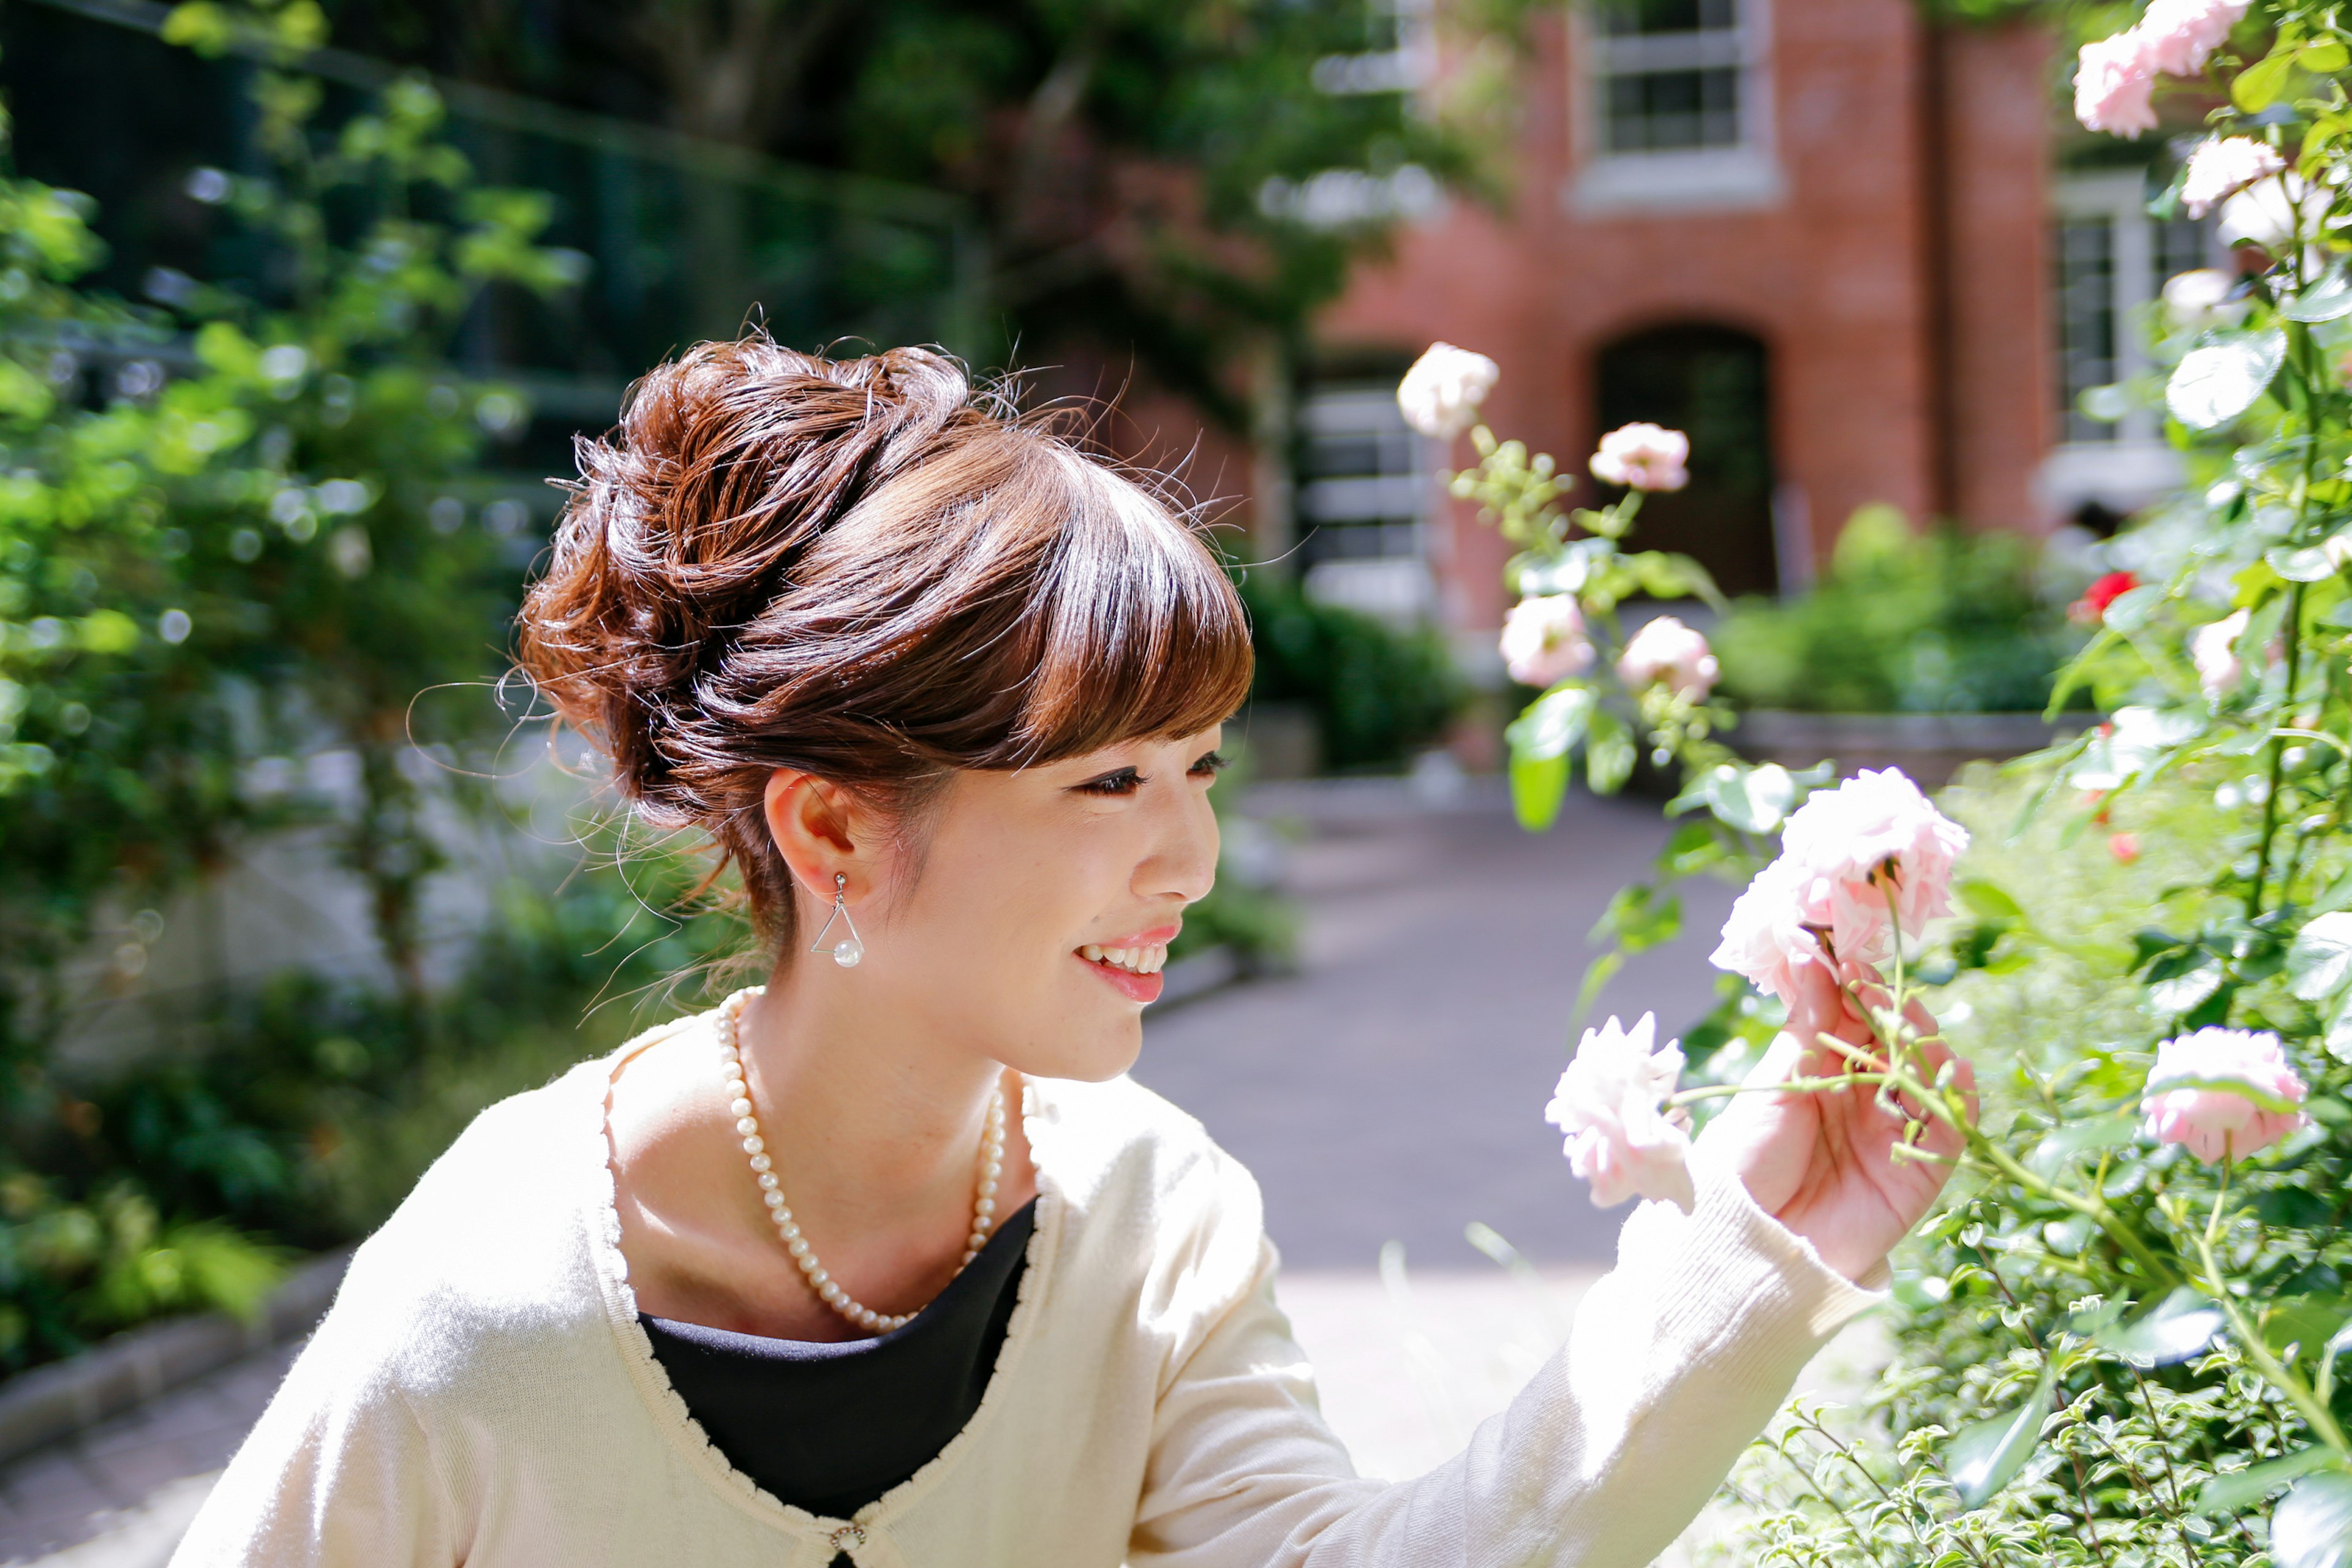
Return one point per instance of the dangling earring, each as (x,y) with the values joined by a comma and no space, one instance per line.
(848,949)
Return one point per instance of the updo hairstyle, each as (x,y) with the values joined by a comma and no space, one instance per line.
(855,569)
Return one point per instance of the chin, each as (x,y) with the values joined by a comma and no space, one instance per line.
(1090,1054)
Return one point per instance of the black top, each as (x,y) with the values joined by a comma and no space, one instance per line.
(830,1427)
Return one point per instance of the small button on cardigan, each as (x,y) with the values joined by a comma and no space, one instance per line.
(482,1392)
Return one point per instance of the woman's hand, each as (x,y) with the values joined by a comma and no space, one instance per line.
(1822,1162)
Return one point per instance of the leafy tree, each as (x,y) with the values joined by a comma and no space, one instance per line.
(1119,151)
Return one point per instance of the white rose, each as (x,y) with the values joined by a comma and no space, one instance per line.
(1619,1138)
(1440,393)
(2213,649)
(2195,301)
(1543,640)
(1643,458)
(1666,649)
(2222,166)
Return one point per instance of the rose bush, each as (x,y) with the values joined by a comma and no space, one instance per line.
(2118,1341)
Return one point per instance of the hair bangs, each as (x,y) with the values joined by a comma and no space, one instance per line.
(1141,634)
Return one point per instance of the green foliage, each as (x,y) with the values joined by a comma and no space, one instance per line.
(1378,694)
(1939,622)
(1140,173)
(229,533)
(2186,864)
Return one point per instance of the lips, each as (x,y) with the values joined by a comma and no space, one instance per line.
(1131,964)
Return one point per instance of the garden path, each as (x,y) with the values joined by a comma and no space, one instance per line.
(1391,1089)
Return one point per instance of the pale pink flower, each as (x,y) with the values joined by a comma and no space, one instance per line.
(1766,938)
(2201,298)
(1544,641)
(1440,393)
(2271,211)
(2175,36)
(1872,837)
(1666,649)
(1643,458)
(1609,1104)
(2113,79)
(2216,1123)
(2222,166)
(2213,649)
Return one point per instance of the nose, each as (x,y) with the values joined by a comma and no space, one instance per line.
(1181,860)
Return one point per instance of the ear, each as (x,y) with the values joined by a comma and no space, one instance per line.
(822,830)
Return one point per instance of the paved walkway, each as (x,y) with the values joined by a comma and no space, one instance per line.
(1393,1090)
(1395,1087)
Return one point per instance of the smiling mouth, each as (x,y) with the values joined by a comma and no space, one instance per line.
(1145,960)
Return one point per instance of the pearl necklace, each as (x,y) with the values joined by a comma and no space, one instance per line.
(787,1230)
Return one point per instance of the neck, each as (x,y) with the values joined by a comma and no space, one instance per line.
(873,1121)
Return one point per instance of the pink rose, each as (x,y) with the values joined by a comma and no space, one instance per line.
(2213,649)
(2113,79)
(1643,458)
(1440,393)
(1609,1104)
(1666,649)
(1544,641)
(1853,845)
(2222,166)
(2216,1123)
(1766,938)
(2175,36)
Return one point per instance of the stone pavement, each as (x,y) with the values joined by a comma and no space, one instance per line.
(1393,1090)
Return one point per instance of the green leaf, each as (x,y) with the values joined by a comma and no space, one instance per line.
(1538,786)
(1987,903)
(1694,847)
(2259,85)
(2214,384)
(1637,919)
(2312,1526)
(2180,1326)
(2323,56)
(1986,1456)
(2229,1493)
(2327,298)
(1753,800)
(2308,565)
(2319,962)
(2131,610)
(1608,752)
(2178,984)
(1552,724)
(2310,1321)
(2080,1137)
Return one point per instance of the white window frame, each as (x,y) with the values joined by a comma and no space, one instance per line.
(1397,586)
(1699,179)
(2137,464)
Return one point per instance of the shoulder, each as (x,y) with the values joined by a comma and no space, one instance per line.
(1153,1199)
(497,1253)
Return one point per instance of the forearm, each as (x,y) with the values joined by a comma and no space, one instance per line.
(1677,1358)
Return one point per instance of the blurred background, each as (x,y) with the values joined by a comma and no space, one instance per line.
(302,309)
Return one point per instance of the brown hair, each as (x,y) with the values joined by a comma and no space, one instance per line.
(852,568)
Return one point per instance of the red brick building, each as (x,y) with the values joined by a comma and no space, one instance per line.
(1818,234)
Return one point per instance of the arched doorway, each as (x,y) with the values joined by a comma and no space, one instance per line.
(1712,382)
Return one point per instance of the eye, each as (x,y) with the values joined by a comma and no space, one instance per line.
(1211,764)
(1123,780)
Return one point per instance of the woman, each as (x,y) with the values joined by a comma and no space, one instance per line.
(886,1261)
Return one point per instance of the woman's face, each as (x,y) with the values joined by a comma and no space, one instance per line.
(1032,921)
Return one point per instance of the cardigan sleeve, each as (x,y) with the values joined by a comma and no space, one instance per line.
(338,1472)
(1675,1360)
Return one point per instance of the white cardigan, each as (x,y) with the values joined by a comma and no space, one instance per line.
(482,1393)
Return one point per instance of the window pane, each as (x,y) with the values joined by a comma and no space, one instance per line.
(1362,486)
(2086,320)
(1630,18)
(2179,247)
(1659,110)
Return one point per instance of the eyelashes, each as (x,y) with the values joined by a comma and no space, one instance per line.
(1127,780)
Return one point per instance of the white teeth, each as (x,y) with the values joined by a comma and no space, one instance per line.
(1134,959)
